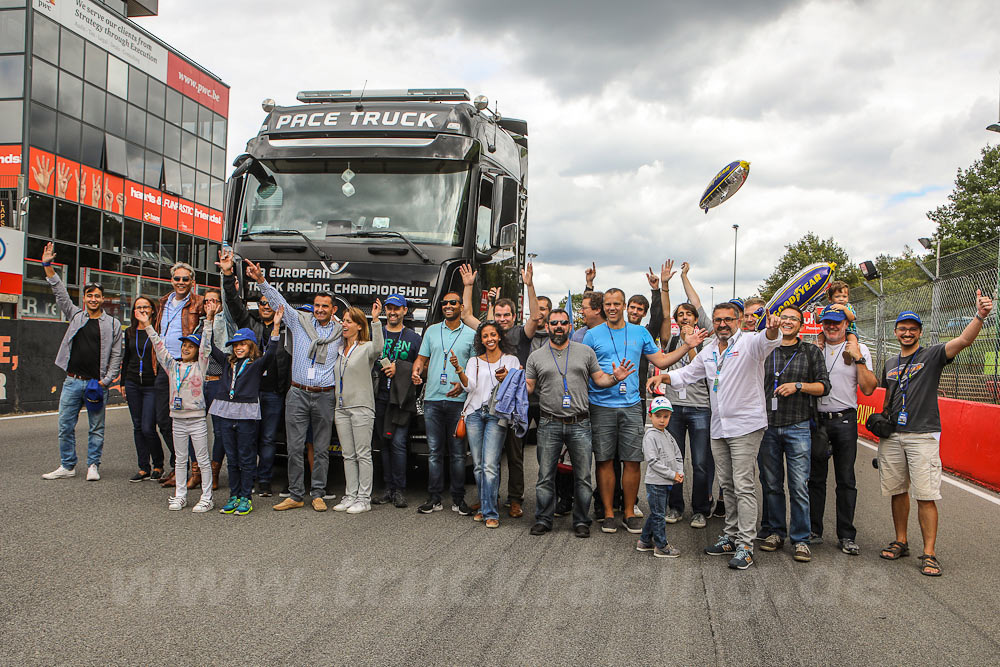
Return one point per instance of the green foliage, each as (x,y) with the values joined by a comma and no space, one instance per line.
(577,308)
(808,250)
(972,214)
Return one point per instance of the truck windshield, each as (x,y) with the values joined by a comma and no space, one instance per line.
(422,199)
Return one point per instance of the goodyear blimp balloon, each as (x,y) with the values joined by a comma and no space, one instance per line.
(725,184)
(802,289)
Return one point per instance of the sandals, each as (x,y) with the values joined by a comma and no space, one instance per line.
(895,551)
(930,566)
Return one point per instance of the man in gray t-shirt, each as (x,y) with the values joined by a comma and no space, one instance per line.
(558,373)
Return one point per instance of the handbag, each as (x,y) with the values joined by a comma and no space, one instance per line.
(460,431)
(881,424)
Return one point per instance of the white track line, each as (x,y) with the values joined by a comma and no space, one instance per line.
(50,414)
(954,482)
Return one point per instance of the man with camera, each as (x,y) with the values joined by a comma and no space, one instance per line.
(909,456)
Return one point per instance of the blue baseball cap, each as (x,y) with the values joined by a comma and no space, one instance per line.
(909,315)
(830,314)
(396,300)
(194,339)
(243,334)
(306,308)
(739,303)
(94,395)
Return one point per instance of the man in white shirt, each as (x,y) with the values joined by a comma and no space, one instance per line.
(837,432)
(734,367)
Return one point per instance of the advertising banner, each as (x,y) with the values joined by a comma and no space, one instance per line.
(11,260)
(10,160)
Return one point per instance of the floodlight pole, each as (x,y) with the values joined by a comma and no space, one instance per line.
(736,236)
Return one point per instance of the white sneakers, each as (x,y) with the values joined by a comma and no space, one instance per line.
(359,506)
(92,474)
(175,503)
(59,473)
(345,504)
(637,511)
(204,505)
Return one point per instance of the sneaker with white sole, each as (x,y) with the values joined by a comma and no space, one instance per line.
(204,505)
(672,516)
(636,511)
(60,473)
(743,558)
(698,520)
(669,551)
(345,504)
(176,503)
(92,474)
(359,506)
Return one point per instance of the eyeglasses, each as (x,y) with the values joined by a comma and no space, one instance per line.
(449,302)
(181,279)
(143,308)
(724,320)
(558,323)
(904,330)
(789,318)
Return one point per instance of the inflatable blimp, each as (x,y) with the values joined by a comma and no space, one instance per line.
(802,289)
(725,184)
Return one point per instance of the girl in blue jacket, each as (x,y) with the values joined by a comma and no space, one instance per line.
(237,408)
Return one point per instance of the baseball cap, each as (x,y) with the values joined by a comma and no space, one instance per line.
(306,308)
(830,314)
(659,403)
(194,339)
(94,395)
(243,334)
(739,303)
(396,300)
(909,315)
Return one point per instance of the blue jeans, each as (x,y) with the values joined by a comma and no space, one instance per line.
(239,438)
(696,423)
(440,420)
(792,443)
(393,450)
(212,390)
(142,406)
(552,436)
(486,438)
(70,402)
(272,407)
(654,531)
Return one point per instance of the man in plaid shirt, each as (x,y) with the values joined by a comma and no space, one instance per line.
(794,374)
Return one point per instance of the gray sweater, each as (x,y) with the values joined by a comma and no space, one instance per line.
(663,456)
(111,334)
(355,369)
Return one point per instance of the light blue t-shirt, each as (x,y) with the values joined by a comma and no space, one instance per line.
(612,345)
(438,343)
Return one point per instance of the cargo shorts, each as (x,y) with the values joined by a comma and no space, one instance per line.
(910,462)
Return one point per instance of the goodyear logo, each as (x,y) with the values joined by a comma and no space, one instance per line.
(798,296)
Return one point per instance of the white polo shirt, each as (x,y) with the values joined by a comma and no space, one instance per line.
(738,401)
(843,378)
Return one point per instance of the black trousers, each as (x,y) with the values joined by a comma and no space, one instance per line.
(163,420)
(843,435)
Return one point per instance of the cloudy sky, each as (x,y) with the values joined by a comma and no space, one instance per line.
(855,116)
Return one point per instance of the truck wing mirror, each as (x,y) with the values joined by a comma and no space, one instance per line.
(508,236)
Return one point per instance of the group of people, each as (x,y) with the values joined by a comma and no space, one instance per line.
(734,399)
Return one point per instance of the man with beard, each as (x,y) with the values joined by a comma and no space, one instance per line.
(443,402)
(734,367)
(392,416)
(558,374)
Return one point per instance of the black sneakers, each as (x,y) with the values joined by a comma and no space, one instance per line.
(398,499)
(581,530)
(383,499)
(539,529)
(430,506)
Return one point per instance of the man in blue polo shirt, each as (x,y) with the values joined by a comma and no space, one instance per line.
(616,412)
(443,401)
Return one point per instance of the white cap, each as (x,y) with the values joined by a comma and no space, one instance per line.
(660,403)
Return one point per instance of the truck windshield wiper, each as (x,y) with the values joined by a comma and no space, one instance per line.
(387,234)
(293,232)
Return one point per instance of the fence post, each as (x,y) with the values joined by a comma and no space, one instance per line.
(936,311)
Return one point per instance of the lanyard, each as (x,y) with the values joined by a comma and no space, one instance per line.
(489,371)
(719,364)
(562,373)
(141,355)
(612,337)
(343,369)
(180,380)
(180,309)
(447,355)
(232,386)
(777,373)
(829,369)
(899,379)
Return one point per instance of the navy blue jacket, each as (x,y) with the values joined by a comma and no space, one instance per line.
(247,389)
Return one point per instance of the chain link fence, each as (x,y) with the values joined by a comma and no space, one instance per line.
(946,306)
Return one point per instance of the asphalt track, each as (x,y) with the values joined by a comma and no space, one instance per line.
(101,573)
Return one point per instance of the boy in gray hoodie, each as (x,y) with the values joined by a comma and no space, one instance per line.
(664,467)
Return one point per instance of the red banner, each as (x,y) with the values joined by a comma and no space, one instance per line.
(200,220)
(91,186)
(133,200)
(41,170)
(67,179)
(10,160)
(152,205)
(185,216)
(215,226)
(114,196)
(190,81)
(168,218)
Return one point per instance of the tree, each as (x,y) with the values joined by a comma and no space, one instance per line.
(972,214)
(577,309)
(808,250)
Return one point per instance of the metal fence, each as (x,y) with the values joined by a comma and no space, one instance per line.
(946,305)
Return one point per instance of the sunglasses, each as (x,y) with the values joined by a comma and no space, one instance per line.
(449,302)
(92,286)
(181,279)
(263,302)
(558,323)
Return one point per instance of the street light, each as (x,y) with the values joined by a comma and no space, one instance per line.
(736,235)
(928,245)
(713,294)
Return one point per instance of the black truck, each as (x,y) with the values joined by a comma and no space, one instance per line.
(367,193)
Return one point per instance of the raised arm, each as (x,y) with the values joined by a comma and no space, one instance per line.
(207,349)
(273,296)
(663,298)
(692,296)
(159,347)
(531,326)
(66,305)
(589,275)
(984,305)
(378,340)
(272,349)
(468,282)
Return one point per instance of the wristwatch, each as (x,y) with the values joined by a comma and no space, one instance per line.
(862,361)
(798,386)
(980,317)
